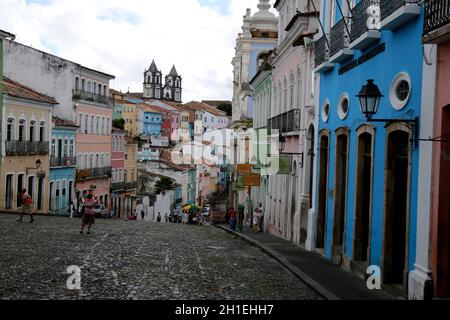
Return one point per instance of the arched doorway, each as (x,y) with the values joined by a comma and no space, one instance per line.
(322,189)
(340,193)
(396,210)
(363,196)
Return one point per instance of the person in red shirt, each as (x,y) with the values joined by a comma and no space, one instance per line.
(233,218)
(27,203)
(89,213)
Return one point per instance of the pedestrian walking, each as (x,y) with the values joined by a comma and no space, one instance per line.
(256,218)
(261,218)
(27,204)
(143,215)
(166,217)
(71,209)
(233,219)
(89,213)
(158,218)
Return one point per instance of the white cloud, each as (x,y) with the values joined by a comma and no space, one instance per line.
(122,37)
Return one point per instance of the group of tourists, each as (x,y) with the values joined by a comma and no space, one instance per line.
(235,219)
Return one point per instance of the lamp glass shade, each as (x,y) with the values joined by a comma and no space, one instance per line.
(369,99)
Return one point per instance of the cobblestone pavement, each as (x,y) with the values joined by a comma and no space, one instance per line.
(135,260)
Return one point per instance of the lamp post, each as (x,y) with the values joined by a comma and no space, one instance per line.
(369,100)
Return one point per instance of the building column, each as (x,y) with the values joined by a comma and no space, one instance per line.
(420,281)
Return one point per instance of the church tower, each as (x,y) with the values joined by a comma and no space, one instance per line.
(173,87)
(153,82)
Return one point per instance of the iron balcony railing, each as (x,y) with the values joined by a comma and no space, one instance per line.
(287,122)
(117,186)
(360,17)
(131,185)
(27,147)
(86,174)
(388,7)
(338,37)
(437,14)
(89,96)
(63,162)
(321,48)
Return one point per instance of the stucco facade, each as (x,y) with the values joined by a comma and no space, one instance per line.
(367,170)
(25,145)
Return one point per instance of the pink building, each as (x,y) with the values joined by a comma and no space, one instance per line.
(118,173)
(437,33)
(93,144)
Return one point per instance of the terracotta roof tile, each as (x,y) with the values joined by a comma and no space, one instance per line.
(15,89)
(59,122)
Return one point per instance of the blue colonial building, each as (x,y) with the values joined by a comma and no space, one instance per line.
(369,59)
(151,122)
(62,165)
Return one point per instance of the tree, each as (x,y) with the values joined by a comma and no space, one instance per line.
(164,184)
(119,123)
(226,107)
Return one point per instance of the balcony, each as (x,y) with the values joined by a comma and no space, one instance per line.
(131,185)
(91,97)
(321,55)
(361,35)
(118,186)
(339,42)
(63,162)
(94,173)
(287,123)
(395,13)
(24,148)
(437,21)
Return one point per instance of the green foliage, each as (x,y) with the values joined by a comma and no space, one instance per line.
(119,123)
(164,184)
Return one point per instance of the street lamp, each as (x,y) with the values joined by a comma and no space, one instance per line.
(369,100)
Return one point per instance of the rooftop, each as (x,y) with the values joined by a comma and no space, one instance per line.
(60,122)
(17,90)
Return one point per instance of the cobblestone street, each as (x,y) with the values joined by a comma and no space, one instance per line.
(134,260)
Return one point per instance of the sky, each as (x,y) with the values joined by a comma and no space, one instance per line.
(122,37)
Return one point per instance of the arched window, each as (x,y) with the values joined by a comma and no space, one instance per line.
(10,136)
(86,124)
(32,135)
(83,85)
(42,131)
(77,83)
(92,125)
(21,130)
(285,95)
(292,95)
(98,125)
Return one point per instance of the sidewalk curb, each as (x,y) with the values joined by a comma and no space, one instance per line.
(321,290)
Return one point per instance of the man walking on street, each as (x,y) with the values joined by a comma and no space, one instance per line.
(26,206)
(143,215)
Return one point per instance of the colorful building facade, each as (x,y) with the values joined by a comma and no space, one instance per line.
(367,168)
(94,117)
(63,162)
(27,119)
(118,173)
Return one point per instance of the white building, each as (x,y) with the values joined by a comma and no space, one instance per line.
(292,116)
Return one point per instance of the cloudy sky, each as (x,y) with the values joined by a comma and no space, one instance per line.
(121,37)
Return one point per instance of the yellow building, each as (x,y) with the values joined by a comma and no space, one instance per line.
(131,174)
(129,115)
(27,119)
